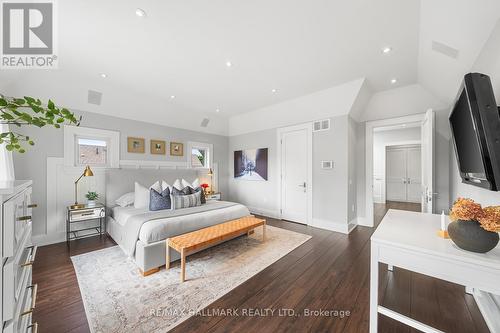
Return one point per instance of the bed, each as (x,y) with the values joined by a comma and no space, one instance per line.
(141,234)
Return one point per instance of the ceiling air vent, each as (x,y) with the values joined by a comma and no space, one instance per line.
(204,122)
(321,125)
(94,97)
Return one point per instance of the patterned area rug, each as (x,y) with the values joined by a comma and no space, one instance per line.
(118,299)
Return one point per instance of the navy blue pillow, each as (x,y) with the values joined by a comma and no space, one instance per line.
(159,201)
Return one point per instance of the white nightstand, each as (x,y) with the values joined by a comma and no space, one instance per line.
(213,196)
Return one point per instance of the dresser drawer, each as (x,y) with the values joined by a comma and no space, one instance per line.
(24,311)
(16,276)
(15,223)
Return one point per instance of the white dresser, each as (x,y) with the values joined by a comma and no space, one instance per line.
(18,294)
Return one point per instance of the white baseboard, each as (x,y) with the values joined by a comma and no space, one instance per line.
(363,221)
(344,228)
(41,240)
(265,212)
(489,308)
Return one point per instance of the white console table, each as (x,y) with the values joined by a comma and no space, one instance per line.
(408,240)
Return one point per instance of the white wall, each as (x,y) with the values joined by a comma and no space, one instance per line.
(330,186)
(488,62)
(334,101)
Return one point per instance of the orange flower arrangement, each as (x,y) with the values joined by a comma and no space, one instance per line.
(468,210)
(491,219)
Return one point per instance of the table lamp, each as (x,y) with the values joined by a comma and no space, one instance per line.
(86,173)
(211,174)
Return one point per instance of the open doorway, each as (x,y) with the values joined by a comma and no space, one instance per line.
(399,165)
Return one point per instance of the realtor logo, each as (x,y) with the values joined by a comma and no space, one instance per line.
(28,30)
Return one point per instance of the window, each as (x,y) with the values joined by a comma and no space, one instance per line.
(200,155)
(92,152)
(91,146)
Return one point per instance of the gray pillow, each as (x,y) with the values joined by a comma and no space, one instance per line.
(202,194)
(185,191)
(159,201)
(185,201)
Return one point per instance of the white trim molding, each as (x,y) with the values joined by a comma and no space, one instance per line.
(344,228)
(71,133)
(370,126)
(208,146)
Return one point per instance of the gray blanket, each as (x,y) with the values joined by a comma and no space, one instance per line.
(134,223)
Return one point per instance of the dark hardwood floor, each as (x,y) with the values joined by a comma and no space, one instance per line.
(329,272)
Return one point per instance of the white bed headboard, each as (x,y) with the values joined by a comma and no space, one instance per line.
(121,181)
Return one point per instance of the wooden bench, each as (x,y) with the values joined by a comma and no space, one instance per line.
(198,240)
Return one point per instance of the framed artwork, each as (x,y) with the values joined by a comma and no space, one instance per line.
(157,147)
(251,164)
(135,145)
(176,149)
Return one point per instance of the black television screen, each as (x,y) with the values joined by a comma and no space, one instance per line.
(475,126)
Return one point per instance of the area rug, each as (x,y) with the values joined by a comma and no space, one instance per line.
(118,299)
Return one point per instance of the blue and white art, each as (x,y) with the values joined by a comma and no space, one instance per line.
(250,164)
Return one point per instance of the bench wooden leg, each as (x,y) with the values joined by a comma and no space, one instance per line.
(183,265)
(167,256)
(264,232)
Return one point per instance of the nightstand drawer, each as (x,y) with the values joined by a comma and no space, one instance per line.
(86,214)
(214,196)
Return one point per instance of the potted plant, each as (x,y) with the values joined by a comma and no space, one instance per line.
(205,187)
(474,228)
(92,198)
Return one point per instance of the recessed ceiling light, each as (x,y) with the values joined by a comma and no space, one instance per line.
(274,91)
(229,63)
(393,81)
(386,50)
(172,97)
(103,75)
(217,110)
(404,125)
(140,12)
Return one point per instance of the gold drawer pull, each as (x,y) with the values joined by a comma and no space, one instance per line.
(34,327)
(31,259)
(34,291)
(32,206)
(24,218)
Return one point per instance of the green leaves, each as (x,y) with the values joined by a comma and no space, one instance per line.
(30,111)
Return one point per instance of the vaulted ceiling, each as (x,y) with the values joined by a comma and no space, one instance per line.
(278,50)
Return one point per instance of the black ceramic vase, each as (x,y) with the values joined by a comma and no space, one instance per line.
(469,235)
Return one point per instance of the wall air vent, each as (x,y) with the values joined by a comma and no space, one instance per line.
(321,125)
(445,49)
(204,122)
(94,97)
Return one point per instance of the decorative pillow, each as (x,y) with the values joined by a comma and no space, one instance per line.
(125,200)
(185,191)
(195,184)
(159,201)
(178,185)
(202,194)
(165,185)
(141,194)
(185,201)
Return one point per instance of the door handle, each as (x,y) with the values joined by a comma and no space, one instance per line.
(404,180)
(303,185)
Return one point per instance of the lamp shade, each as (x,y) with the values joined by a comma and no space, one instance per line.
(88,172)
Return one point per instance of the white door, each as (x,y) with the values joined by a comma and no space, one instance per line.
(396,174)
(294,175)
(427,189)
(414,177)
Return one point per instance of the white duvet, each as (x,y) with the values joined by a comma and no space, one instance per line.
(149,227)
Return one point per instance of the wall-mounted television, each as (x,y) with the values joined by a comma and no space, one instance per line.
(475,127)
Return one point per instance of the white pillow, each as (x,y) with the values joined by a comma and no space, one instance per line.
(165,185)
(195,184)
(141,194)
(178,185)
(126,200)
